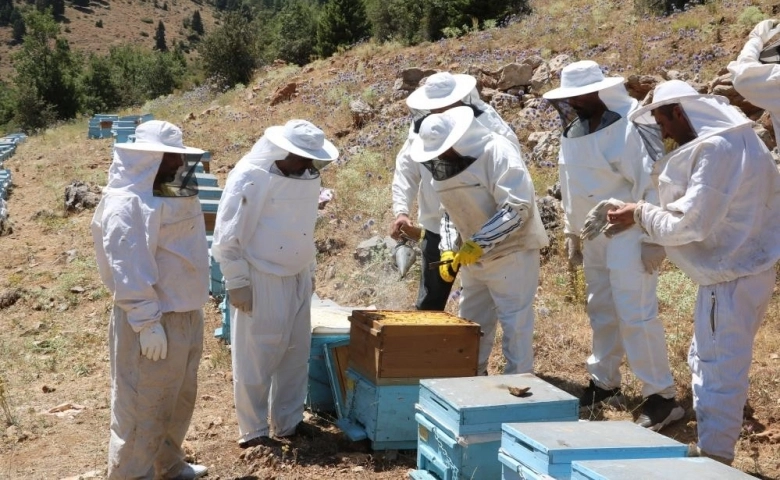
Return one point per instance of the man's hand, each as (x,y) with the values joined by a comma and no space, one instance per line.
(652,256)
(469,254)
(596,220)
(241,298)
(623,216)
(400,225)
(154,343)
(447,271)
(573,249)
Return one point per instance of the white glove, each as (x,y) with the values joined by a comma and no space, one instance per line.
(241,298)
(596,220)
(652,256)
(764,31)
(154,343)
(573,249)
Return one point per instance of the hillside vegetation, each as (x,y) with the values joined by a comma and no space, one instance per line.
(54,309)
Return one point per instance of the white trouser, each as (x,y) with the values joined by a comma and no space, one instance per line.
(503,289)
(726,321)
(152,402)
(623,312)
(271,354)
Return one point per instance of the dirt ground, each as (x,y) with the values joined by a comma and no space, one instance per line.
(54,400)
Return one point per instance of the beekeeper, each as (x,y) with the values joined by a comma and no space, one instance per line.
(602,157)
(150,244)
(756,72)
(719,218)
(488,196)
(264,242)
(411,182)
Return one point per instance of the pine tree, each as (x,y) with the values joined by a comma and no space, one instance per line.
(159,38)
(18,26)
(342,23)
(197,23)
(6,8)
(58,7)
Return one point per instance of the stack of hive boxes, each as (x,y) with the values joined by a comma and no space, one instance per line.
(389,353)
(100,125)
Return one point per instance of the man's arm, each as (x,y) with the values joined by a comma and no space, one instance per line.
(237,219)
(757,82)
(129,242)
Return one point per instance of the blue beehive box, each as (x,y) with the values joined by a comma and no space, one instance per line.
(550,448)
(655,469)
(382,413)
(209,193)
(328,326)
(223,332)
(208,205)
(460,421)
(206,179)
(216,280)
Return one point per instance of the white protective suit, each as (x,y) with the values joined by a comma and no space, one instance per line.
(153,257)
(759,83)
(264,237)
(719,219)
(413,181)
(493,203)
(622,303)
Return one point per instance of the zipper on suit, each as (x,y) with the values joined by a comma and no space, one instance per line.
(712,313)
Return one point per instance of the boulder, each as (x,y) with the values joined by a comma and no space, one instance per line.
(362,112)
(541,78)
(284,94)
(515,75)
(411,77)
(80,196)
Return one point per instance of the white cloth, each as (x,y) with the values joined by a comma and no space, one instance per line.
(264,237)
(492,201)
(264,220)
(152,402)
(759,83)
(413,181)
(623,311)
(609,163)
(151,251)
(726,319)
(622,303)
(270,350)
(502,290)
(719,213)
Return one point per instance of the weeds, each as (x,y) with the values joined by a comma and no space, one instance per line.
(9,418)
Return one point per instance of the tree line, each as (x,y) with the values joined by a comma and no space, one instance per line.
(53,82)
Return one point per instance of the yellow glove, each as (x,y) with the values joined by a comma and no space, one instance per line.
(468,254)
(447,271)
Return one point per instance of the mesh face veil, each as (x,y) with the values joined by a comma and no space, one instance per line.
(182,183)
(444,169)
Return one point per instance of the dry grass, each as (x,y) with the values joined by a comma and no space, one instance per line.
(55,338)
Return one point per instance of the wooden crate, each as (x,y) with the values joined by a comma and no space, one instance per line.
(550,448)
(390,346)
(655,469)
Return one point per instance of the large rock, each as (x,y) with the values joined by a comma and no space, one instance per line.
(541,78)
(503,102)
(639,86)
(80,196)
(728,91)
(515,75)
(362,112)
(534,61)
(411,77)
(557,63)
(284,94)
(544,153)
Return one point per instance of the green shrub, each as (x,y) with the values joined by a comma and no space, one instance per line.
(750,16)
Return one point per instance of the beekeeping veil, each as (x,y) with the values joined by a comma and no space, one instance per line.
(580,78)
(707,114)
(139,166)
(299,137)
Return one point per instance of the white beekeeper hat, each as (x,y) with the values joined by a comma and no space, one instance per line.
(665,93)
(158,136)
(439,132)
(579,78)
(441,90)
(302,138)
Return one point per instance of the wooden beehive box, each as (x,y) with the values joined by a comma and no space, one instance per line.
(655,469)
(389,346)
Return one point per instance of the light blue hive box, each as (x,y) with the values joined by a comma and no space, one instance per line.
(329,327)
(655,469)
(460,419)
(530,449)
